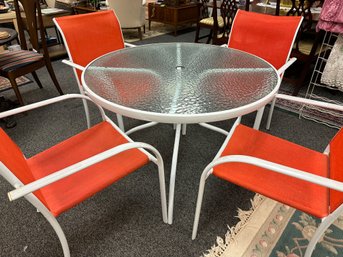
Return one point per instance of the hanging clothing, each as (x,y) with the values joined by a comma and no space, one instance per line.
(331,16)
(333,70)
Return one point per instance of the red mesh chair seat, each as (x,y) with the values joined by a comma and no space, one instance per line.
(299,194)
(17,59)
(72,171)
(66,193)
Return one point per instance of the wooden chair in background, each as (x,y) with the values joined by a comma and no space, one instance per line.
(218,22)
(17,63)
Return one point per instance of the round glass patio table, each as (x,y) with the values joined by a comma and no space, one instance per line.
(180,82)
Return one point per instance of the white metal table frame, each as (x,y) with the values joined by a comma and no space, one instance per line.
(180,120)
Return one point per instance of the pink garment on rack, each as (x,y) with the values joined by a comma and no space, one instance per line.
(331,16)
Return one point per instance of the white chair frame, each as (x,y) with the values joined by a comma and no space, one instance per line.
(76,66)
(330,183)
(25,191)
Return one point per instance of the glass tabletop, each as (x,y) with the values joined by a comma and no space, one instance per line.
(182,79)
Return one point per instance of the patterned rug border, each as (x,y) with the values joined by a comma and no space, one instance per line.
(5,83)
(257,232)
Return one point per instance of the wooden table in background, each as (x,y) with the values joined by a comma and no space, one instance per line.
(173,15)
(9,17)
(84,9)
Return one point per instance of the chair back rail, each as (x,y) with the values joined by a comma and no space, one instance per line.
(303,8)
(269,37)
(31,20)
(228,10)
(203,9)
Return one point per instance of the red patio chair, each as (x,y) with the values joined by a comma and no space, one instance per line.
(70,172)
(88,36)
(268,37)
(286,172)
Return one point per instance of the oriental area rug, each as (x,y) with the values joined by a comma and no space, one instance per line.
(157,29)
(5,83)
(271,229)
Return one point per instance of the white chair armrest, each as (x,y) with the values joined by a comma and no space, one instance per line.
(58,175)
(303,175)
(129,45)
(43,103)
(284,67)
(74,65)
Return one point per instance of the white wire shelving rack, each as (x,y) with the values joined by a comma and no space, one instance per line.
(316,88)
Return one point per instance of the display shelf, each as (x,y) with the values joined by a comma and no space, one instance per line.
(323,92)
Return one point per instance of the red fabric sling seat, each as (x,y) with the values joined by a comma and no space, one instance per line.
(68,192)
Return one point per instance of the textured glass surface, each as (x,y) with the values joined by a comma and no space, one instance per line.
(180,78)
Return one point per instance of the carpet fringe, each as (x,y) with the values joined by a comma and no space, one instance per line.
(244,216)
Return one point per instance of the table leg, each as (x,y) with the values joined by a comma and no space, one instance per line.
(173,173)
(258,118)
(120,122)
(184,129)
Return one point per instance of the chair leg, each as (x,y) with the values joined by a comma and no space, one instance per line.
(161,177)
(209,37)
(321,229)
(173,174)
(258,118)
(120,122)
(35,77)
(53,76)
(199,203)
(16,89)
(270,114)
(53,222)
(140,33)
(144,28)
(85,106)
(61,236)
(197,32)
(184,129)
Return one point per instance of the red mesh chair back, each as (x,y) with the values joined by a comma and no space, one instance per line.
(336,168)
(88,36)
(13,158)
(269,37)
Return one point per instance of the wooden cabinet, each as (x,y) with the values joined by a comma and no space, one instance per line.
(173,15)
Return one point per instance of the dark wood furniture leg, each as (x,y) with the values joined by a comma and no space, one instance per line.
(140,33)
(53,77)
(35,77)
(12,78)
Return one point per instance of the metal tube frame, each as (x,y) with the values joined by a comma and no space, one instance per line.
(26,191)
(173,173)
(323,181)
